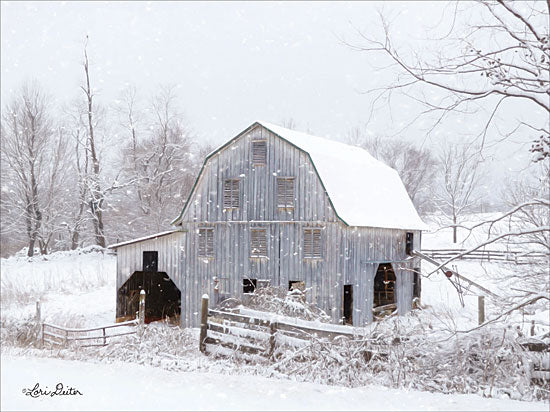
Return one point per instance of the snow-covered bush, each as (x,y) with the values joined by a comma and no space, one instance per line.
(409,353)
(22,333)
(279,301)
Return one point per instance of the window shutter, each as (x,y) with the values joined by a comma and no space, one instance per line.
(308,247)
(258,243)
(285,192)
(316,243)
(231,193)
(206,242)
(259,152)
(312,243)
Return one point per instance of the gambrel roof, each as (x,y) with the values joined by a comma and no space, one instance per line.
(362,190)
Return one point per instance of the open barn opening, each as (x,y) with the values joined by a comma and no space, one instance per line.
(384,285)
(163,298)
(348,305)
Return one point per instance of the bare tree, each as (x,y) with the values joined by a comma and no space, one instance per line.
(160,158)
(55,189)
(458,190)
(77,219)
(96,195)
(33,168)
(500,53)
(289,123)
(533,195)
(416,166)
(492,53)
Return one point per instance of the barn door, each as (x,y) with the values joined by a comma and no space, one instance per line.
(348,304)
(384,285)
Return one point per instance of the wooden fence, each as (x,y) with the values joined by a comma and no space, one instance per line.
(98,336)
(487,255)
(540,367)
(227,333)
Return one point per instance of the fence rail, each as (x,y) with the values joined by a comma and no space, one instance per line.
(227,333)
(488,255)
(97,336)
(251,335)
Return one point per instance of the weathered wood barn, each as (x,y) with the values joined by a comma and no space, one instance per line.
(278,207)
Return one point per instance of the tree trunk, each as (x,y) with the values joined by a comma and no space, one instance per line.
(74,238)
(30,252)
(454,229)
(96,202)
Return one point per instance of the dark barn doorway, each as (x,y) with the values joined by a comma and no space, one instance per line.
(348,304)
(163,298)
(384,285)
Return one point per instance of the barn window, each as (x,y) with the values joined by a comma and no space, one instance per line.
(258,243)
(249,285)
(231,193)
(285,192)
(150,261)
(206,242)
(312,243)
(259,152)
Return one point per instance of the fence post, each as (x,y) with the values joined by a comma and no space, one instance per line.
(38,312)
(480,309)
(141,316)
(204,323)
(532,328)
(272,331)
(104,338)
(38,320)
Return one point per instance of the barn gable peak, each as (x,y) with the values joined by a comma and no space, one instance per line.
(363,191)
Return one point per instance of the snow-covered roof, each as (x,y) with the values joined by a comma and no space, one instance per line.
(363,190)
(153,236)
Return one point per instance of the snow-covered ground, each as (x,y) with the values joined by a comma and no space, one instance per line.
(78,289)
(73,286)
(438,291)
(440,235)
(122,386)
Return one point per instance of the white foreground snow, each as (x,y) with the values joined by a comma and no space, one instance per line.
(122,386)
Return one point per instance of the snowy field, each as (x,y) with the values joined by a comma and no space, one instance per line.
(122,386)
(74,287)
(77,289)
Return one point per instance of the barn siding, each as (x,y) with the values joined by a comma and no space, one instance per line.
(350,254)
(130,257)
(258,194)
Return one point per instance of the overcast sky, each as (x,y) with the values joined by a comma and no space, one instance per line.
(234,62)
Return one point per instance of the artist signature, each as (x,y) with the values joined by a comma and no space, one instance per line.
(60,390)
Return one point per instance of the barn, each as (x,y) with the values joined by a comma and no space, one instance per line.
(277,207)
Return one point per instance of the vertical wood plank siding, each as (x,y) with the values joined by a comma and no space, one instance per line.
(170,252)
(350,255)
